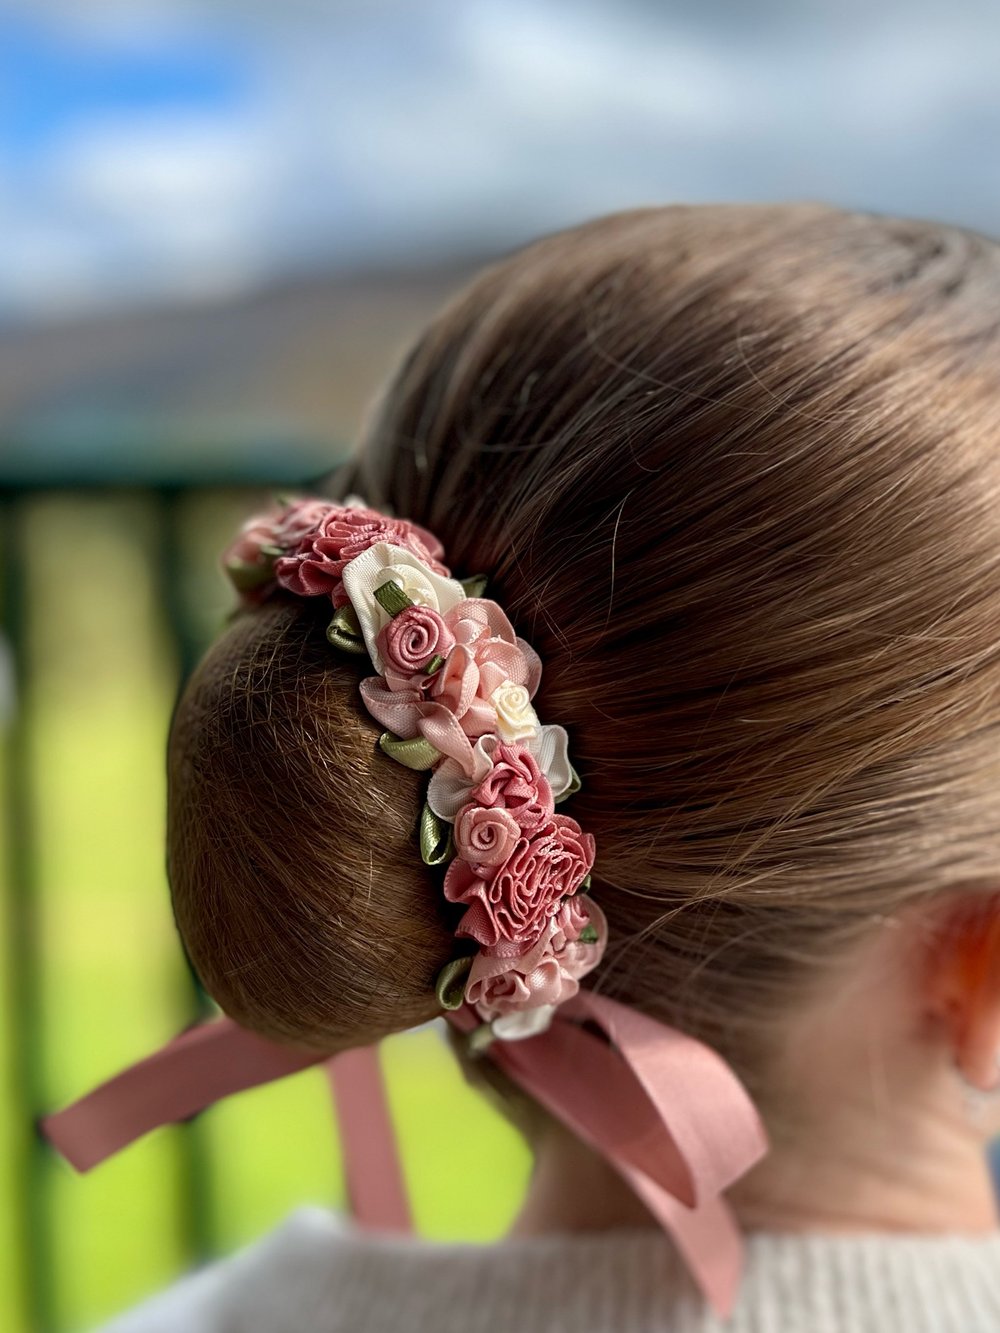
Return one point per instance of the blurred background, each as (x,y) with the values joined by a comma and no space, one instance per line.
(220,224)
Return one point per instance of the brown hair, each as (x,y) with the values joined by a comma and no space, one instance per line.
(734,472)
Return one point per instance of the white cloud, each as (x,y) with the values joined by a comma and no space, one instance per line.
(389,128)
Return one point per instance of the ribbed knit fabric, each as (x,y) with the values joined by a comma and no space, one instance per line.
(313,1275)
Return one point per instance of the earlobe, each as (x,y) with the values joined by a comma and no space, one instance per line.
(962,985)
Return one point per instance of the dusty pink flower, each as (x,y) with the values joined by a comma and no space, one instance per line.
(244,560)
(300,518)
(571,920)
(409,641)
(512,991)
(549,973)
(578,957)
(454,686)
(516,784)
(452,708)
(250,559)
(509,909)
(483,836)
(316,565)
(487,653)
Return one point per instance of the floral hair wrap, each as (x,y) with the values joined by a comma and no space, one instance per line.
(453,684)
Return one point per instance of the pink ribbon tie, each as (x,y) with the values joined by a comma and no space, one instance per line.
(663,1109)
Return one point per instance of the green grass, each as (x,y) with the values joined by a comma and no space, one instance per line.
(113,984)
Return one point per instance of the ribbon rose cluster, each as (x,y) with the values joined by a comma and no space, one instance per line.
(453,687)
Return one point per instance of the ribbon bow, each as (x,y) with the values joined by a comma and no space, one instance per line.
(663,1109)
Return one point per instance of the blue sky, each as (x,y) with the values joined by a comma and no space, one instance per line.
(54,76)
(154,150)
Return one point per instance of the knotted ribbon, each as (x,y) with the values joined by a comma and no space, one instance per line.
(663,1109)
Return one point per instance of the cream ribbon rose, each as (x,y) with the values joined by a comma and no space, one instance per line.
(516,719)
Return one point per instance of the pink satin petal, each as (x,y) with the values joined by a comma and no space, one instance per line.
(505,657)
(479,719)
(477,924)
(398,710)
(467,621)
(491,677)
(488,965)
(490,615)
(457,681)
(440,726)
(397,682)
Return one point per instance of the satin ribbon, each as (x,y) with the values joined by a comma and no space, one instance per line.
(663,1109)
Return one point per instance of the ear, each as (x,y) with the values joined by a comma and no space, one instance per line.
(962,984)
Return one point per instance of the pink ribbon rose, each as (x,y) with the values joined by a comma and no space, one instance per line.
(516,783)
(509,909)
(547,974)
(484,836)
(250,559)
(340,535)
(513,991)
(487,652)
(577,957)
(452,708)
(409,641)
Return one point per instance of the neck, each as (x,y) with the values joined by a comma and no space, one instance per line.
(920,1168)
(915,1173)
(573,1189)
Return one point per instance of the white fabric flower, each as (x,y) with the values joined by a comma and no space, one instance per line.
(525,1023)
(381,563)
(516,719)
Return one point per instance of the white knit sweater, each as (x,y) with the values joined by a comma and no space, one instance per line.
(313,1275)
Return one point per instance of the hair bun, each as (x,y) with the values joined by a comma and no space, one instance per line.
(290,842)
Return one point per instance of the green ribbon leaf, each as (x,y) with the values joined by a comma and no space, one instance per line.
(344,630)
(391,597)
(584,885)
(588,935)
(245,577)
(474,585)
(574,786)
(435,837)
(417,753)
(451,982)
(347,618)
(435,664)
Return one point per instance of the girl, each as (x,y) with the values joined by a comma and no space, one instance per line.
(733,473)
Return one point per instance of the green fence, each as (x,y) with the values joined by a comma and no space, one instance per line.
(109,592)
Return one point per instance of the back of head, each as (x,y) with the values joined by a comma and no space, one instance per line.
(733,472)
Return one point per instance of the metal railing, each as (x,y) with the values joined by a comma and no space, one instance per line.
(24,477)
